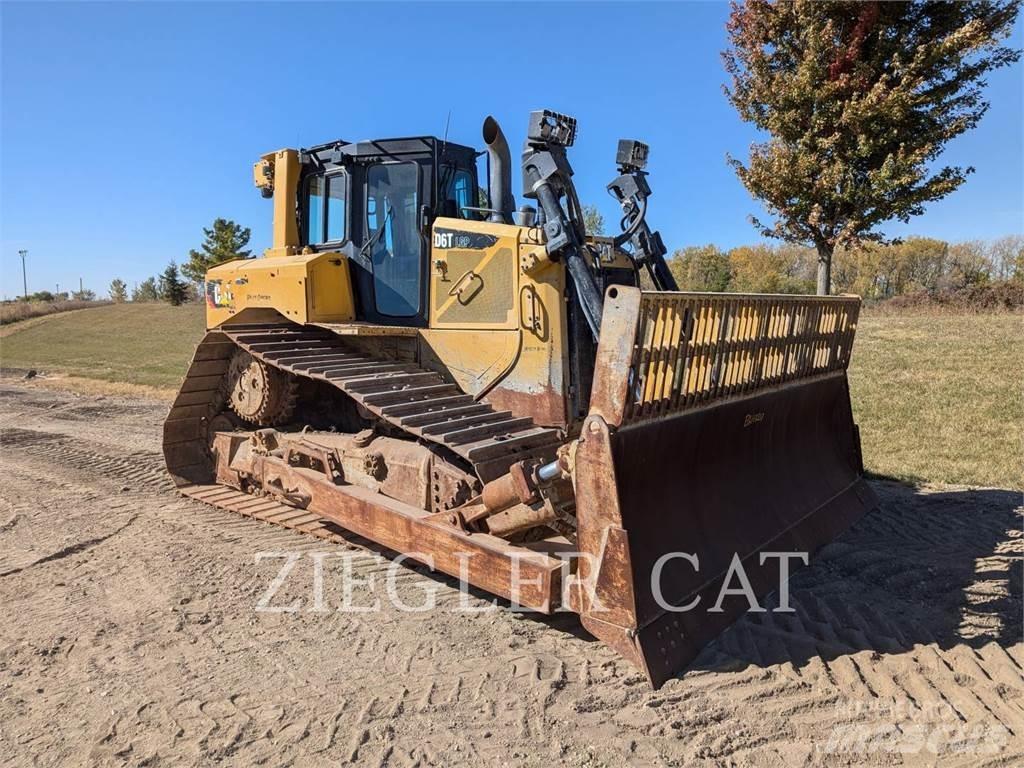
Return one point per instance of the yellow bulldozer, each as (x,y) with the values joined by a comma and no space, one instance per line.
(514,401)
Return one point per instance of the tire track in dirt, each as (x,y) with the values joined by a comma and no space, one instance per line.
(165,615)
(139,470)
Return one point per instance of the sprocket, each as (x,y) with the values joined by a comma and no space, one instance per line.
(259,393)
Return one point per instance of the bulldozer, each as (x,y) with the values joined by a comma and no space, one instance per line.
(513,401)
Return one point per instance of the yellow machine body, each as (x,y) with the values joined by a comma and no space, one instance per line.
(533,402)
(497,317)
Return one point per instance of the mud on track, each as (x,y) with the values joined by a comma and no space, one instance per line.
(130,635)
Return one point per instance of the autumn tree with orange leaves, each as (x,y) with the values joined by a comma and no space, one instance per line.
(859,100)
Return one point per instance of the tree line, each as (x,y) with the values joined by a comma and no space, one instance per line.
(916,265)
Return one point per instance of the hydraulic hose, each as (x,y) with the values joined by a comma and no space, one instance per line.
(582,276)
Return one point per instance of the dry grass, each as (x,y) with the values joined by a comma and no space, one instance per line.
(83,386)
(18,311)
(938,397)
(142,344)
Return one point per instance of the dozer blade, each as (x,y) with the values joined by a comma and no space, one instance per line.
(720,428)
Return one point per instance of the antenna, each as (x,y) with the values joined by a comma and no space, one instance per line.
(444,141)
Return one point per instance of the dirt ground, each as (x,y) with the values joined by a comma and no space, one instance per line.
(132,634)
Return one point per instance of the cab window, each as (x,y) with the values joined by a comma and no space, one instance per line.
(392,227)
(315,210)
(461,192)
(325,208)
(337,189)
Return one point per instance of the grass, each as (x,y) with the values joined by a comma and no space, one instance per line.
(937,396)
(18,311)
(143,344)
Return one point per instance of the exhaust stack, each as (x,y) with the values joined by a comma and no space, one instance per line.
(500,182)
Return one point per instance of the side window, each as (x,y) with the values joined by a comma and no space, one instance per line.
(392,226)
(315,211)
(337,189)
(325,208)
(461,191)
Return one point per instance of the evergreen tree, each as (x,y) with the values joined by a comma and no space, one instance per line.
(146,291)
(118,290)
(172,289)
(224,241)
(859,99)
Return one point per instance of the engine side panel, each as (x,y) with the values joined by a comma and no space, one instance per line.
(304,288)
(498,317)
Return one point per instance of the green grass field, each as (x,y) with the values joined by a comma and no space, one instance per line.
(147,344)
(937,397)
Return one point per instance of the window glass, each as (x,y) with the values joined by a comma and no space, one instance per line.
(461,191)
(392,223)
(315,211)
(336,191)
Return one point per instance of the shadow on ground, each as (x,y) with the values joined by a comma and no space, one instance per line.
(942,567)
(927,567)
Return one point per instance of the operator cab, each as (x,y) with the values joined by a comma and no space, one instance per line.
(374,201)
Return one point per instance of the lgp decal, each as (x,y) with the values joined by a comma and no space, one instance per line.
(453,238)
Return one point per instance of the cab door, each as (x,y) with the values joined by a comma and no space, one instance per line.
(394,242)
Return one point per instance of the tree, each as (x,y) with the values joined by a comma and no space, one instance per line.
(593,221)
(224,241)
(968,265)
(764,268)
(1007,257)
(146,291)
(172,289)
(118,290)
(921,262)
(700,268)
(859,99)
(84,295)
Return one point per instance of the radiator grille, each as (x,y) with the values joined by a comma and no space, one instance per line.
(488,289)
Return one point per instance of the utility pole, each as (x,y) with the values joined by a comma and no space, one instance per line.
(24,279)
(80,291)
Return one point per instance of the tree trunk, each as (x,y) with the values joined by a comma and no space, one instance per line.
(824,269)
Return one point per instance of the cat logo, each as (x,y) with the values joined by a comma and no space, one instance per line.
(218,294)
(752,418)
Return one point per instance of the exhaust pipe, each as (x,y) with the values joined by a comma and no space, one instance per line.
(500,182)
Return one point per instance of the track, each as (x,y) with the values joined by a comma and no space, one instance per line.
(417,401)
(137,638)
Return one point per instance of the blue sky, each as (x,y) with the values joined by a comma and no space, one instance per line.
(126,128)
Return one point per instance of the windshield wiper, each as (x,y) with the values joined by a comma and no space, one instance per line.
(388,210)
